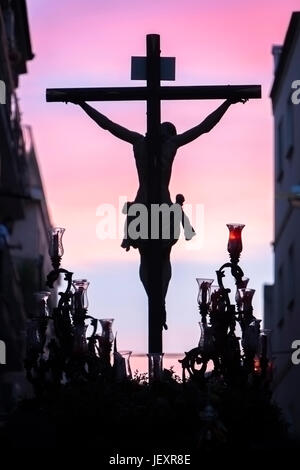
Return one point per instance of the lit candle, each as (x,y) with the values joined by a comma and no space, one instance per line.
(235,246)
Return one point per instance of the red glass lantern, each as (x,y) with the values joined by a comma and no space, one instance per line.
(235,245)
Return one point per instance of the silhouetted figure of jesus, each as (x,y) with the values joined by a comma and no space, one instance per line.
(170,142)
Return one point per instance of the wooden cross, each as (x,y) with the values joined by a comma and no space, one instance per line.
(153,94)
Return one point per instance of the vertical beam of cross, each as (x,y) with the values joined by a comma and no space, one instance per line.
(154,184)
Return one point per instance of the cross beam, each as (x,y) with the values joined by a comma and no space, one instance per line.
(153,94)
(165,93)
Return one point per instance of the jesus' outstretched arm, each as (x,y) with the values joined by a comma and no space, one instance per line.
(204,126)
(115,129)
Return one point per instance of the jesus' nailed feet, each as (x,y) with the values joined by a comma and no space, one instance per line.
(155,460)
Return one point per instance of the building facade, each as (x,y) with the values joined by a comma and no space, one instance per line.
(24,218)
(282,300)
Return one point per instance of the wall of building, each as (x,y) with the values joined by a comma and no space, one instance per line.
(285,316)
(22,200)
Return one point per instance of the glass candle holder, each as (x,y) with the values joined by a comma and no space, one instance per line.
(246,297)
(235,245)
(122,367)
(107,333)
(204,292)
(56,249)
(215,297)
(242,284)
(80,299)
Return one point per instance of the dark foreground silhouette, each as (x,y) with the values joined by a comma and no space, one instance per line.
(134,418)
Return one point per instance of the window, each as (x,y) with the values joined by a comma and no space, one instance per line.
(279,150)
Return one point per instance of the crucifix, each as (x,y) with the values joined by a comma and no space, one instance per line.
(154,155)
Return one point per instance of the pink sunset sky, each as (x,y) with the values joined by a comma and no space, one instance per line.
(230,170)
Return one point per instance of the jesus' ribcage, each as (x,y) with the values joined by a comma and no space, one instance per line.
(166,162)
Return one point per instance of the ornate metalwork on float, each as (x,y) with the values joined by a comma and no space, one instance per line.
(59,349)
(232,357)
